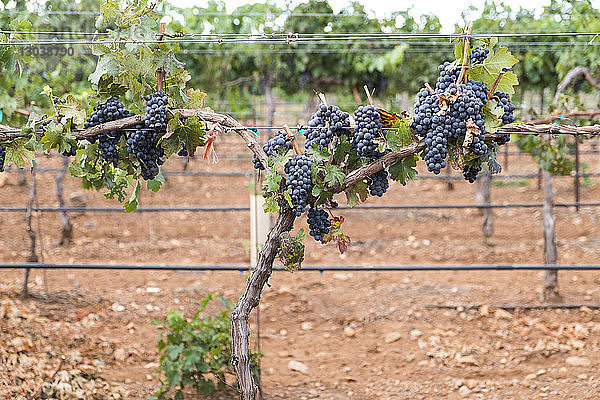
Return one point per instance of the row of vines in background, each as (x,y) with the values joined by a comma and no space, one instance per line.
(236,71)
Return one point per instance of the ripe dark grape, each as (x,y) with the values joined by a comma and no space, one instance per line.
(436,150)
(2,156)
(143,144)
(298,170)
(327,122)
(470,172)
(378,183)
(183,152)
(72,152)
(156,111)
(509,108)
(111,110)
(426,107)
(318,223)
(478,146)
(508,116)
(448,75)
(276,146)
(368,127)
(478,55)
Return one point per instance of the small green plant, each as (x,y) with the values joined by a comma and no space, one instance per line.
(195,354)
(510,182)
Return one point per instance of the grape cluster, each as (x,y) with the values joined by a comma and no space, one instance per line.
(298,170)
(509,108)
(508,116)
(143,144)
(448,75)
(111,110)
(318,223)
(72,152)
(277,145)
(478,146)
(183,152)
(368,127)
(436,150)
(327,122)
(156,111)
(470,172)
(443,115)
(478,55)
(2,156)
(378,183)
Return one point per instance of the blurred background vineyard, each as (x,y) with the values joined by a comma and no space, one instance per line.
(275,83)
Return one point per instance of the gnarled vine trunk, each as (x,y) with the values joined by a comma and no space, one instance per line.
(239,317)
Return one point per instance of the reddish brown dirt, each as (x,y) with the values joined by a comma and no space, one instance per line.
(440,353)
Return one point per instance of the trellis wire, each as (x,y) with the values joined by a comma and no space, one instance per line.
(306,268)
(362,207)
(293,38)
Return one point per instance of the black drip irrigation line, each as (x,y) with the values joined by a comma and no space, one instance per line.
(357,208)
(318,268)
(517,307)
(118,209)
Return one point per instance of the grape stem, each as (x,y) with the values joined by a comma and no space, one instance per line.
(368,94)
(494,86)
(465,54)
(322,97)
(293,138)
(160,72)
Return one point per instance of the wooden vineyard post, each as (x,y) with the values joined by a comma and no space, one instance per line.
(576,174)
(33,258)
(484,197)
(550,292)
(260,224)
(160,73)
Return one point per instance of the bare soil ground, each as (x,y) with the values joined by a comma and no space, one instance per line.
(362,335)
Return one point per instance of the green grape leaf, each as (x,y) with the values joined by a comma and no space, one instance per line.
(196,98)
(156,183)
(322,194)
(71,108)
(287,195)
(18,154)
(404,169)
(272,182)
(190,132)
(319,154)
(491,42)
(271,206)
(341,150)
(357,193)
(507,83)
(132,204)
(492,113)
(492,66)
(334,175)
(400,138)
(458,49)
(107,65)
